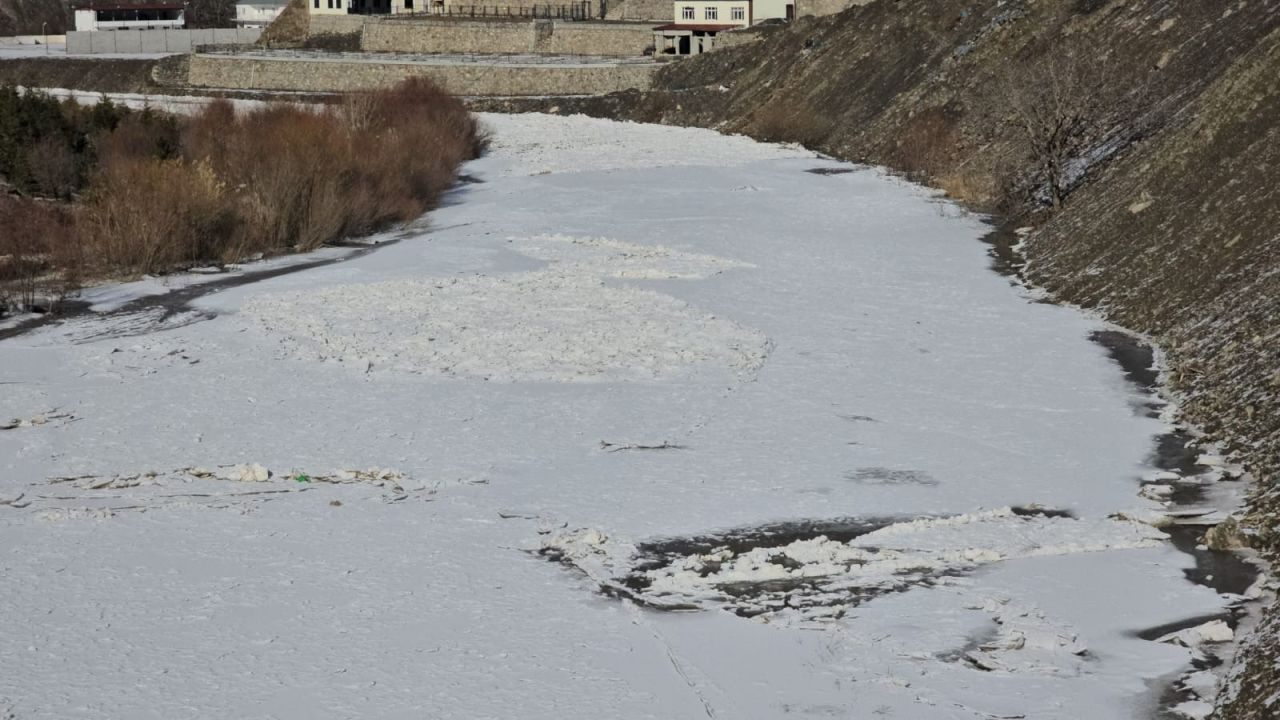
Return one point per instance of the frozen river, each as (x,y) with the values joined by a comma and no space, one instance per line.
(650,423)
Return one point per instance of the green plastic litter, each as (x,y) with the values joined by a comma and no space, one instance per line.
(302,478)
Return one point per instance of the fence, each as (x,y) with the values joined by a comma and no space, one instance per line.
(155,41)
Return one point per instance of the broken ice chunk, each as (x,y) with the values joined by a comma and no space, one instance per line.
(1214,631)
(252,472)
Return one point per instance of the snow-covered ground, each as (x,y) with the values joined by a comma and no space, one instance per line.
(342,496)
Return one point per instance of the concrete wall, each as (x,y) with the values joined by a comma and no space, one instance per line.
(769,9)
(543,37)
(469,78)
(156,41)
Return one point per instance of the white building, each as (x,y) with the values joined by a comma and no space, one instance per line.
(366,7)
(258,13)
(696,23)
(121,16)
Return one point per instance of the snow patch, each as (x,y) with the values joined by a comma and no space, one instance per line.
(586,144)
(99,497)
(560,324)
(817,578)
(1026,641)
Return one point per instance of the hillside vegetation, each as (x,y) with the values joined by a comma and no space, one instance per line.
(107,192)
(1140,138)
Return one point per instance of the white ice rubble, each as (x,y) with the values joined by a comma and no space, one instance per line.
(819,578)
(100,497)
(562,323)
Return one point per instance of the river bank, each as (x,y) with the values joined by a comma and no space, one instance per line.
(605,345)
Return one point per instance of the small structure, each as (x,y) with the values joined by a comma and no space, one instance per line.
(697,23)
(545,9)
(123,16)
(258,13)
(336,7)
(366,7)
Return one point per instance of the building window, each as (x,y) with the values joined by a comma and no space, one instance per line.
(317,2)
(408,4)
(687,12)
(739,13)
(711,14)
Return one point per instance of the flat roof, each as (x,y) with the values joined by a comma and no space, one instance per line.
(704,27)
(129,6)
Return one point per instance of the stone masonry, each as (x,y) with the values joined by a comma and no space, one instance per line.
(540,37)
(461,77)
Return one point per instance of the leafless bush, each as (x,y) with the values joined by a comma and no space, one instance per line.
(144,134)
(926,143)
(146,215)
(780,122)
(1057,109)
(169,193)
(53,167)
(38,254)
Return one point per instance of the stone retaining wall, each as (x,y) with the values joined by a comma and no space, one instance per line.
(647,10)
(542,37)
(464,78)
(336,24)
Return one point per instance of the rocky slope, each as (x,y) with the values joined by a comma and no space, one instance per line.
(32,17)
(1170,225)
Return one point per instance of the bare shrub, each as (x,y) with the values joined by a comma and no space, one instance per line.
(146,215)
(167,193)
(210,13)
(53,167)
(972,187)
(927,142)
(779,122)
(145,134)
(1057,106)
(284,164)
(356,111)
(39,257)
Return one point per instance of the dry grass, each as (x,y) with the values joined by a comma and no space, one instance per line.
(972,188)
(169,193)
(39,256)
(927,143)
(799,123)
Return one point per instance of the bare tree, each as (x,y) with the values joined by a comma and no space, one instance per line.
(53,167)
(211,13)
(1057,105)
